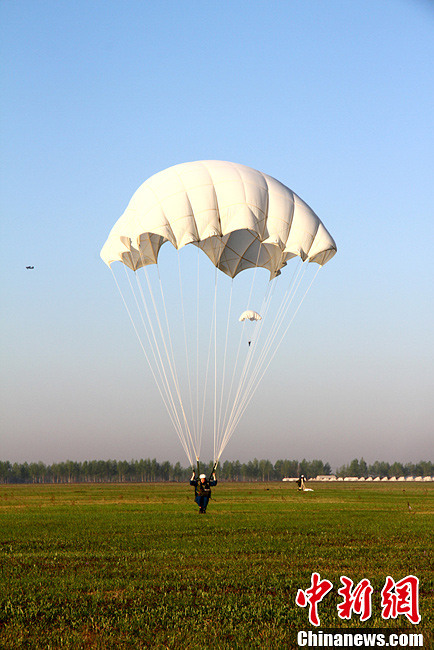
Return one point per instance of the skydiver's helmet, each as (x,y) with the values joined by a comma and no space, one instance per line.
(202,476)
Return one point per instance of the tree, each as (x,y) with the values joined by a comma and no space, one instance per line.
(227,471)
(165,471)
(363,468)
(123,470)
(316,468)
(304,468)
(5,471)
(396,469)
(265,468)
(379,468)
(154,469)
(327,469)
(354,468)
(237,470)
(34,472)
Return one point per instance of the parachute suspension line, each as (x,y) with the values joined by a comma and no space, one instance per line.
(159,366)
(258,325)
(250,384)
(238,351)
(216,437)
(283,309)
(253,346)
(184,429)
(187,357)
(213,318)
(197,347)
(215,359)
(250,387)
(290,322)
(174,371)
(254,384)
(160,384)
(234,371)
(243,376)
(170,404)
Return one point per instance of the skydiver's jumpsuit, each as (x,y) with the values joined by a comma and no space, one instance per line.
(202,492)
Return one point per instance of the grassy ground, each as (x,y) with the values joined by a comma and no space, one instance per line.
(135,566)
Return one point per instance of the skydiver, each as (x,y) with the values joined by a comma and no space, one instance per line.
(30,267)
(202,490)
(301,482)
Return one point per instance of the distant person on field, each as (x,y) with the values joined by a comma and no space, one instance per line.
(202,490)
(301,483)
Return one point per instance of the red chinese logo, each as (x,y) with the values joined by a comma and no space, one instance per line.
(401,598)
(397,598)
(314,595)
(357,600)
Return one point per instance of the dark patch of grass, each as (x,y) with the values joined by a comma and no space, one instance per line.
(134,566)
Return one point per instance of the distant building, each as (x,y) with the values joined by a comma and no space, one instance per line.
(326,477)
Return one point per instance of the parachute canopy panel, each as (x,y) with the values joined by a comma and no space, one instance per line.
(240,217)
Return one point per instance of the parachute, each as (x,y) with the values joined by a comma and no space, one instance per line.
(180,303)
(250,315)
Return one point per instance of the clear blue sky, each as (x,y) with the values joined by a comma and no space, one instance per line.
(335,99)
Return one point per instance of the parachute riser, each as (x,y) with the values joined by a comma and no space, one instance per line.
(213,469)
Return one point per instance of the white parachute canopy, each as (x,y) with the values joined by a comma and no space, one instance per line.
(250,315)
(240,217)
(243,220)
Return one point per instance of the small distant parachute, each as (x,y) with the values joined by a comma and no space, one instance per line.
(30,267)
(250,315)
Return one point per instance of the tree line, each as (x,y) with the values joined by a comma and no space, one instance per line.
(147,470)
(360,469)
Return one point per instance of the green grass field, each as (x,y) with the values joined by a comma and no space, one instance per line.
(135,566)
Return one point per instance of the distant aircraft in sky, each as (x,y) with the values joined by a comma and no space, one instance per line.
(30,267)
